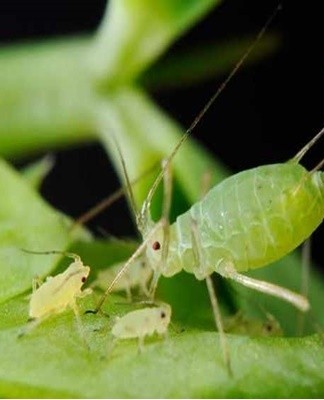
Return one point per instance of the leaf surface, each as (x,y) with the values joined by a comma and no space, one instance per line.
(27,222)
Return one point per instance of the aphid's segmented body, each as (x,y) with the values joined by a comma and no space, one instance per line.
(243,325)
(248,221)
(59,292)
(144,322)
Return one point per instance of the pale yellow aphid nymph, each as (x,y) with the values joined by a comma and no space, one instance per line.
(136,277)
(141,323)
(58,292)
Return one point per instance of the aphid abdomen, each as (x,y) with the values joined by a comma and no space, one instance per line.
(57,293)
(250,219)
(144,322)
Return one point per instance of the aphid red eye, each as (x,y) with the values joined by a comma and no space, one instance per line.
(163,315)
(156,246)
(84,278)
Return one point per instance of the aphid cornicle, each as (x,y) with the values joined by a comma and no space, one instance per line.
(141,323)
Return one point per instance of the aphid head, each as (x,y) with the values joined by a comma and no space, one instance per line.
(154,249)
(164,315)
(78,271)
(85,271)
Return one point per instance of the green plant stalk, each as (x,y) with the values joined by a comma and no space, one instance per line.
(134,33)
(49,90)
(47,98)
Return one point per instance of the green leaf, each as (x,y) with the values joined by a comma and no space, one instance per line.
(134,33)
(52,360)
(27,222)
(37,171)
(182,69)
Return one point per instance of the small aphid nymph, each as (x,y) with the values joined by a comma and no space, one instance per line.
(141,323)
(58,292)
(136,277)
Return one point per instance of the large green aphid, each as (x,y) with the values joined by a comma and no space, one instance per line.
(249,220)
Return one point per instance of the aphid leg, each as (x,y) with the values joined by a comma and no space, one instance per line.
(111,345)
(197,249)
(140,344)
(219,324)
(36,283)
(167,185)
(306,258)
(144,289)
(128,293)
(154,283)
(32,324)
(75,309)
(297,300)
(137,253)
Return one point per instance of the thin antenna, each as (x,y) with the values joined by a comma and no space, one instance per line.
(75,257)
(308,145)
(137,253)
(128,183)
(206,108)
(109,200)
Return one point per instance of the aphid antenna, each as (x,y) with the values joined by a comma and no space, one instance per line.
(152,303)
(111,199)
(129,189)
(137,253)
(304,287)
(74,256)
(204,110)
(297,158)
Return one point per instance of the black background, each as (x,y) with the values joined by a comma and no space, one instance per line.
(265,115)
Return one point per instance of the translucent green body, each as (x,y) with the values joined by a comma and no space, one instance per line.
(249,220)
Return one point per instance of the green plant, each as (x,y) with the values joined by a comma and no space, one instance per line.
(62,92)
